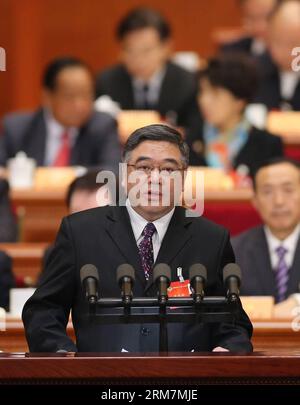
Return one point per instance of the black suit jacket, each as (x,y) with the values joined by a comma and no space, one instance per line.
(242,45)
(261,145)
(258,277)
(104,237)
(268,91)
(7,279)
(177,94)
(8,223)
(96,144)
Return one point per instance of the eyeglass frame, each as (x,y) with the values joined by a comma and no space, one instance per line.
(160,170)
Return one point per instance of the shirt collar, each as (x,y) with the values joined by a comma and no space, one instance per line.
(154,81)
(290,243)
(56,129)
(138,223)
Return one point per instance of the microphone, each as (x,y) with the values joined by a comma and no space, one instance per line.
(90,278)
(125,279)
(197,276)
(232,280)
(162,277)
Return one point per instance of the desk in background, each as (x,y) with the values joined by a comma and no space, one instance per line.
(42,211)
(268,335)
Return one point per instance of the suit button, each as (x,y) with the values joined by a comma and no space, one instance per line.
(145,331)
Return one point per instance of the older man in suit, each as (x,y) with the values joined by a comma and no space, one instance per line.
(66,130)
(149,229)
(255,17)
(146,79)
(7,279)
(8,223)
(280,82)
(269,255)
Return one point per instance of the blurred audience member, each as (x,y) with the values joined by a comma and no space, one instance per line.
(8,225)
(66,130)
(226,87)
(7,280)
(146,79)
(280,84)
(269,255)
(84,193)
(255,16)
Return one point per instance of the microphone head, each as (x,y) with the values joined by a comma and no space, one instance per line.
(89,270)
(125,270)
(197,269)
(232,270)
(160,270)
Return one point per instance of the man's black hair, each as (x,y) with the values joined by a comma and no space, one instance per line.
(143,17)
(56,66)
(157,132)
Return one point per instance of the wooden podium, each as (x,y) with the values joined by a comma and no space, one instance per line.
(190,368)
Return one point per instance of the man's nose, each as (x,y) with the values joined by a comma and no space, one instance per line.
(279,198)
(155,176)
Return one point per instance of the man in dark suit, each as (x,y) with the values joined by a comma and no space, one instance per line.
(147,230)
(146,79)
(7,280)
(8,224)
(280,81)
(255,16)
(269,255)
(67,130)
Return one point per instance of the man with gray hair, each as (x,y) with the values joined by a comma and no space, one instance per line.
(144,232)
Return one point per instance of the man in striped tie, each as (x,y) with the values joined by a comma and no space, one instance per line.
(269,255)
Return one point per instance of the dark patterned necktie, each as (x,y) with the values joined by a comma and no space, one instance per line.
(146,249)
(282,275)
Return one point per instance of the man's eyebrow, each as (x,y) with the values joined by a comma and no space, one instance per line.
(168,160)
(143,158)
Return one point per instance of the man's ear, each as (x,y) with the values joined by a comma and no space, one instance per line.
(254,201)
(168,47)
(46,98)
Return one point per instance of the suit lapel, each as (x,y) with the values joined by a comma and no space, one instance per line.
(294,276)
(167,91)
(79,149)
(262,268)
(125,90)
(120,230)
(176,237)
(34,142)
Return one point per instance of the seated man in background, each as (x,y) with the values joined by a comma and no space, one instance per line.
(146,79)
(8,225)
(269,255)
(280,84)
(255,17)
(227,85)
(84,193)
(66,130)
(7,280)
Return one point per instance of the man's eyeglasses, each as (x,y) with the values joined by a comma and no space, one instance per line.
(163,170)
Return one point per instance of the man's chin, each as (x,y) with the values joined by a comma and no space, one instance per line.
(151,210)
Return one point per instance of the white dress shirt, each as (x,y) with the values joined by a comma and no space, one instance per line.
(138,224)
(288,83)
(54,137)
(290,244)
(258,47)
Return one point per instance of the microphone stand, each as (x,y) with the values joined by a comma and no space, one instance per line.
(209,310)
